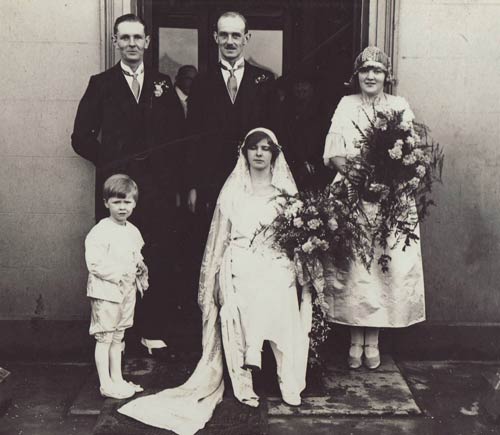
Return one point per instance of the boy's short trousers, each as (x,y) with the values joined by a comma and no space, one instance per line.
(110,319)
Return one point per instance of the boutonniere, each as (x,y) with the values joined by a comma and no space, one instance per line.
(160,87)
(261,79)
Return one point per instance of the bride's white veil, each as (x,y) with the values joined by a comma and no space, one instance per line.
(240,181)
(187,408)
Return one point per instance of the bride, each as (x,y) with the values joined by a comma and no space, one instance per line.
(247,295)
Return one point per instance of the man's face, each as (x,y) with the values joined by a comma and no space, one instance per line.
(231,38)
(185,79)
(303,90)
(131,41)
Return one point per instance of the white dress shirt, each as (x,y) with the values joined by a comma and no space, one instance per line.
(140,76)
(183,99)
(238,73)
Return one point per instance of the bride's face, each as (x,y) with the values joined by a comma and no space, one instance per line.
(260,155)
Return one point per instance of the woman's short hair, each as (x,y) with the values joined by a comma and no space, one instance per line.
(120,186)
(254,138)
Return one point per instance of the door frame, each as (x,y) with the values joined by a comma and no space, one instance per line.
(379,26)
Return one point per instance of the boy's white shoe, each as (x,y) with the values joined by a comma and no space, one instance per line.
(116,391)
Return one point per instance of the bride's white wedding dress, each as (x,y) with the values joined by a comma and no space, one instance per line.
(247,294)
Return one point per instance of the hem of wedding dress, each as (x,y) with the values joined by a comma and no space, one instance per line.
(377,325)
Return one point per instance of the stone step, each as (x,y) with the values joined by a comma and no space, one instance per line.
(335,391)
(360,392)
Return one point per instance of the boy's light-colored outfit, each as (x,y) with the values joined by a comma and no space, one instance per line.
(112,252)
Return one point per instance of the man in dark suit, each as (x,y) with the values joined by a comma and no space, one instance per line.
(225,103)
(122,125)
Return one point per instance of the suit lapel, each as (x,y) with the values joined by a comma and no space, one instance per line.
(147,88)
(246,82)
(121,87)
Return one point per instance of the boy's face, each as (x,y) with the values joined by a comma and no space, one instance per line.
(120,209)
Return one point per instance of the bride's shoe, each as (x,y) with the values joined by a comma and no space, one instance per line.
(291,399)
(355,354)
(253,359)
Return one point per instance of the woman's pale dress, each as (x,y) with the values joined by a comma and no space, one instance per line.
(359,297)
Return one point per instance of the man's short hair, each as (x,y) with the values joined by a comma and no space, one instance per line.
(119,186)
(129,18)
(232,14)
(184,69)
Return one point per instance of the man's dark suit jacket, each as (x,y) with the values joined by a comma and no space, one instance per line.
(222,125)
(112,130)
(117,133)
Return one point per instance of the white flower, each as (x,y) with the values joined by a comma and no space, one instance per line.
(378,187)
(405,126)
(420,170)
(298,222)
(332,224)
(396,152)
(417,138)
(410,140)
(312,209)
(158,91)
(418,153)
(295,208)
(410,159)
(414,182)
(314,224)
(308,247)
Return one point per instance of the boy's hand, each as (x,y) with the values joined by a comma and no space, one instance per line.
(142,277)
(141,268)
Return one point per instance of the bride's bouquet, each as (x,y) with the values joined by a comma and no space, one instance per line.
(310,227)
(398,164)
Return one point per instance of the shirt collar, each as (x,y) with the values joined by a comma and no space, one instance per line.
(239,63)
(125,67)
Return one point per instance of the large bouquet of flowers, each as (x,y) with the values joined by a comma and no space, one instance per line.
(398,164)
(310,226)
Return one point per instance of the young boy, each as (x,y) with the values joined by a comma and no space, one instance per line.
(116,272)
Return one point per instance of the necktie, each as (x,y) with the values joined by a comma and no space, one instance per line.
(232,82)
(136,87)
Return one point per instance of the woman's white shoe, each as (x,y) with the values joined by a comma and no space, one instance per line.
(355,354)
(372,356)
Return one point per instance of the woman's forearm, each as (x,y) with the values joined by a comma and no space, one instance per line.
(338,163)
